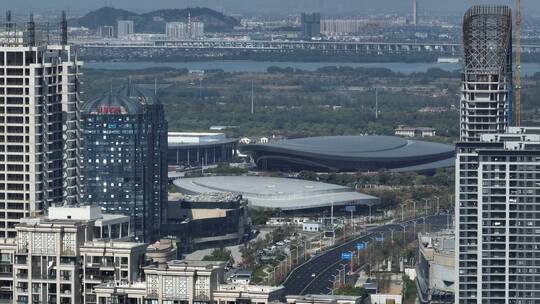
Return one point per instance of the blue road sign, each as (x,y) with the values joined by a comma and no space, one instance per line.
(361,246)
(379,238)
(347,256)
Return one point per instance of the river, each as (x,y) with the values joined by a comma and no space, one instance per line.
(528,68)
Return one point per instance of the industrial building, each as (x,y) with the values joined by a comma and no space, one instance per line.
(207,220)
(293,195)
(351,154)
(192,149)
(435,269)
(124,167)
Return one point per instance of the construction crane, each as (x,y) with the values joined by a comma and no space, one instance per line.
(517,80)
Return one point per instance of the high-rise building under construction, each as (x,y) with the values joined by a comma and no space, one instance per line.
(39,122)
(497,173)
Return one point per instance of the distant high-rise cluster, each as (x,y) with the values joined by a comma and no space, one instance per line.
(342,27)
(311,25)
(182,30)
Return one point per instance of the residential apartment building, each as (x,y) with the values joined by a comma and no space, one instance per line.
(125,29)
(196,30)
(58,259)
(506,168)
(124,163)
(39,124)
(486,108)
(176,30)
(186,282)
(311,25)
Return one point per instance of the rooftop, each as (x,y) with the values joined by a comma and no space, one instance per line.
(375,147)
(113,244)
(127,99)
(248,288)
(219,197)
(273,192)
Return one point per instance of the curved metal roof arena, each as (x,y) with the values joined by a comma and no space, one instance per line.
(272,192)
(352,153)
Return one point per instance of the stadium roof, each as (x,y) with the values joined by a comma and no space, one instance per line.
(273,192)
(352,153)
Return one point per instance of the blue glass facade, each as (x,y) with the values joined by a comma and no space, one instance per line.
(124,165)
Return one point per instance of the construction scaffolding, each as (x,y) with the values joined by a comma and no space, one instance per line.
(32,33)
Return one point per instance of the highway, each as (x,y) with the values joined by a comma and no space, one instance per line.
(316,276)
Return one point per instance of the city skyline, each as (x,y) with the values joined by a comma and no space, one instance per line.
(280,7)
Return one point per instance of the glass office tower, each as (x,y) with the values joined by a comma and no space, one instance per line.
(124,165)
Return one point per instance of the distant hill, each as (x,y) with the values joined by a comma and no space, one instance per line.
(154,22)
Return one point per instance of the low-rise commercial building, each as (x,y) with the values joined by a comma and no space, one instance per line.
(188,149)
(435,271)
(207,220)
(415,131)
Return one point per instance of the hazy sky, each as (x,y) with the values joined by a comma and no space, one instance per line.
(265,6)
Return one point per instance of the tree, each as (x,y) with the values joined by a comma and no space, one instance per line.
(220,254)
(350,290)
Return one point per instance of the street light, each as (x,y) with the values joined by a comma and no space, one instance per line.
(404,226)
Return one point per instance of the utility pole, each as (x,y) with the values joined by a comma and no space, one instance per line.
(352,223)
(200,87)
(376,103)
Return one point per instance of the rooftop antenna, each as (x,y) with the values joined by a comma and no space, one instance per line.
(252,99)
(64,27)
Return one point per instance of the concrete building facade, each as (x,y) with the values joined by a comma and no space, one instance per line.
(55,256)
(39,132)
(486,108)
(125,29)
